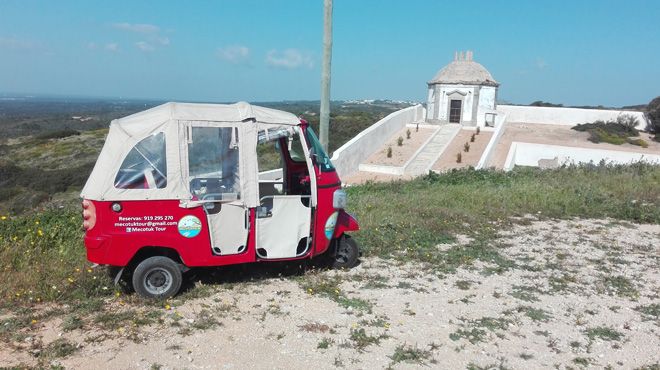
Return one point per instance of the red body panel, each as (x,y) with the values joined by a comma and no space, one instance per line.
(118,236)
(345,222)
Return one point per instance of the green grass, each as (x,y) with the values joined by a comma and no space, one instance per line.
(42,258)
(410,354)
(649,312)
(328,286)
(604,333)
(406,220)
(621,286)
(362,340)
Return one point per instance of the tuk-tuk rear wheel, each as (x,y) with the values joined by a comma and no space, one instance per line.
(157,278)
(346,253)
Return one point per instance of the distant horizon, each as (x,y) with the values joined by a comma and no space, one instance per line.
(5,96)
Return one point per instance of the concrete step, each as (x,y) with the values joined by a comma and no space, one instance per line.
(432,150)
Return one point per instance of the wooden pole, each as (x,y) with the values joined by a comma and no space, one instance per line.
(325,74)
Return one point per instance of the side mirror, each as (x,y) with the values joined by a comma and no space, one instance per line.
(313,155)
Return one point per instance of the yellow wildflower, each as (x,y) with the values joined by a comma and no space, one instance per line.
(167,306)
(3,218)
(36,222)
(41,233)
(70,280)
(117,294)
(34,321)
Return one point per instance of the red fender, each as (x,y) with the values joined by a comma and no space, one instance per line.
(345,222)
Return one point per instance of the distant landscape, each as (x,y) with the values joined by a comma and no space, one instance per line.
(48,146)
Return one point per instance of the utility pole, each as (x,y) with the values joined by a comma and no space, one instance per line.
(325,73)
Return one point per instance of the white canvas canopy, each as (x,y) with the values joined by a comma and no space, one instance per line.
(172,120)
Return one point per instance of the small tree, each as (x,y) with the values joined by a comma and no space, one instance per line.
(466,147)
(478,130)
(408,134)
(653,114)
(389,152)
(399,141)
(472,138)
(459,157)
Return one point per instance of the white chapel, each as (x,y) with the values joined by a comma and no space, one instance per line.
(462,92)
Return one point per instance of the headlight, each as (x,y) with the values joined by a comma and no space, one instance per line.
(339,199)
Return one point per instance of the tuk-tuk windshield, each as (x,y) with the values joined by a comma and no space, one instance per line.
(322,159)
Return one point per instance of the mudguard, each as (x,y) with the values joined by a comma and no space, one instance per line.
(345,222)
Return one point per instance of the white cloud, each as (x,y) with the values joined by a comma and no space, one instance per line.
(235,54)
(145,46)
(164,41)
(112,47)
(91,46)
(143,28)
(289,59)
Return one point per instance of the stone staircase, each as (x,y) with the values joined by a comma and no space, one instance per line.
(430,153)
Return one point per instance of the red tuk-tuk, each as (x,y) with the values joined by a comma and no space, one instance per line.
(183,185)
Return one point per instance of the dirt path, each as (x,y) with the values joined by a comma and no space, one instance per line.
(559,294)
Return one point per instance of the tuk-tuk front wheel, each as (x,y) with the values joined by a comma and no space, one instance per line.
(157,278)
(346,253)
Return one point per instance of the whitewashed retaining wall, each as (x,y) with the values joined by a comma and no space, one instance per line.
(565,116)
(500,122)
(348,157)
(528,154)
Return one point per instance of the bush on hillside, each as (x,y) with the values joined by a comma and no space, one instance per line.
(614,132)
(653,114)
(59,134)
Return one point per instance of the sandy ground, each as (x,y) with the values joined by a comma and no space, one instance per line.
(401,154)
(447,160)
(558,135)
(580,294)
(362,177)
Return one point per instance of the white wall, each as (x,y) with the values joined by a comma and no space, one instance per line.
(490,148)
(564,116)
(487,96)
(528,154)
(465,91)
(348,157)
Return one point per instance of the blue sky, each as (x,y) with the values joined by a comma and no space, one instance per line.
(571,52)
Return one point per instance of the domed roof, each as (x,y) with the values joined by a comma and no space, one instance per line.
(464,70)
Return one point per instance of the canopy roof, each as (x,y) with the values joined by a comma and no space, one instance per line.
(174,121)
(147,120)
(464,70)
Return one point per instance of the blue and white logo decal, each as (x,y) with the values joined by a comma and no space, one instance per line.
(330,225)
(189,226)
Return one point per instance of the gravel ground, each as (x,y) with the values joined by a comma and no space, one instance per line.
(574,294)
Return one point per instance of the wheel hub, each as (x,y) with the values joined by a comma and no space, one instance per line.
(158,281)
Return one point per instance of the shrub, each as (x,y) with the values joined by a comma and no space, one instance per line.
(466,147)
(389,152)
(628,120)
(459,157)
(472,138)
(599,135)
(408,134)
(611,127)
(399,141)
(653,114)
(59,134)
(640,142)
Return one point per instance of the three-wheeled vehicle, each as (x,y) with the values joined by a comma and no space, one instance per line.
(185,185)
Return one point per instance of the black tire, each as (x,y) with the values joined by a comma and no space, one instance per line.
(346,253)
(157,278)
